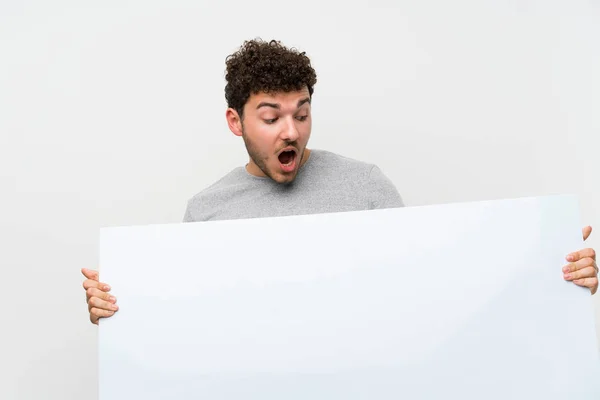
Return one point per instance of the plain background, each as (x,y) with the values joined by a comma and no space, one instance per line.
(112,113)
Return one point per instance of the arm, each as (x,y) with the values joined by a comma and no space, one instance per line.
(382,192)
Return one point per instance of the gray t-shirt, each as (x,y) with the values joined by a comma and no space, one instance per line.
(327,182)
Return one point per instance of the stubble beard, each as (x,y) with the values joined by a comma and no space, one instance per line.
(261,160)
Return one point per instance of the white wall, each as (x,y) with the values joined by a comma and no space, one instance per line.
(112,113)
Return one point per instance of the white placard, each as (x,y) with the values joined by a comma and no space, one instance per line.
(450,301)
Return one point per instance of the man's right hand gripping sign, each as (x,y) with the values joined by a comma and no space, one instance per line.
(101,303)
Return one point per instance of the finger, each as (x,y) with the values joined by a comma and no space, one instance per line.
(90,273)
(95,292)
(591,283)
(578,255)
(96,302)
(97,313)
(586,232)
(90,283)
(588,272)
(583,263)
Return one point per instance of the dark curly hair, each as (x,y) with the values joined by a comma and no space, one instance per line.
(260,66)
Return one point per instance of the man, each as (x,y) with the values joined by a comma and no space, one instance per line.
(269,91)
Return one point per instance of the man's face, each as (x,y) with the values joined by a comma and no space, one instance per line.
(276,128)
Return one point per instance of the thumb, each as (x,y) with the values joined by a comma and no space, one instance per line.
(90,274)
(586,232)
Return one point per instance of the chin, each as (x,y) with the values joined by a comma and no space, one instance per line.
(284,178)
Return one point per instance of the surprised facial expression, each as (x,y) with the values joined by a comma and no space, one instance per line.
(276,128)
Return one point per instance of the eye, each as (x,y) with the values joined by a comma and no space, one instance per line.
(302,117)
(270,121)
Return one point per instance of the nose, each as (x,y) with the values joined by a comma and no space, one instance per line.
(289,132)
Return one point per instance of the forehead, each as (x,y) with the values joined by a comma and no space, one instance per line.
(285,99)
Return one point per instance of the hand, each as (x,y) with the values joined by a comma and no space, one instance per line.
(100,303)
(582,268)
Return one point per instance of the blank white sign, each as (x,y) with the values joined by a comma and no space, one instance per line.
(451,301)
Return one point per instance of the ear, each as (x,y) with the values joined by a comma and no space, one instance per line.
(234,121)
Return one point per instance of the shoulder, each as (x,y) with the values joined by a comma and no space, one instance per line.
(361,170)
(334,165)
(368,177)
(325,157)
(233,177)
(210,197)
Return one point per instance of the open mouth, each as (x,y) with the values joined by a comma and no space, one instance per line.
(287,160)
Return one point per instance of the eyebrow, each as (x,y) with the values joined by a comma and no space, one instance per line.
(278,106)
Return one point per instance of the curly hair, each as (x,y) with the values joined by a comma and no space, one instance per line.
(269,67)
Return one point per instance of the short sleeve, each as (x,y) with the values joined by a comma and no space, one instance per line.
(187,217)
(383,192)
